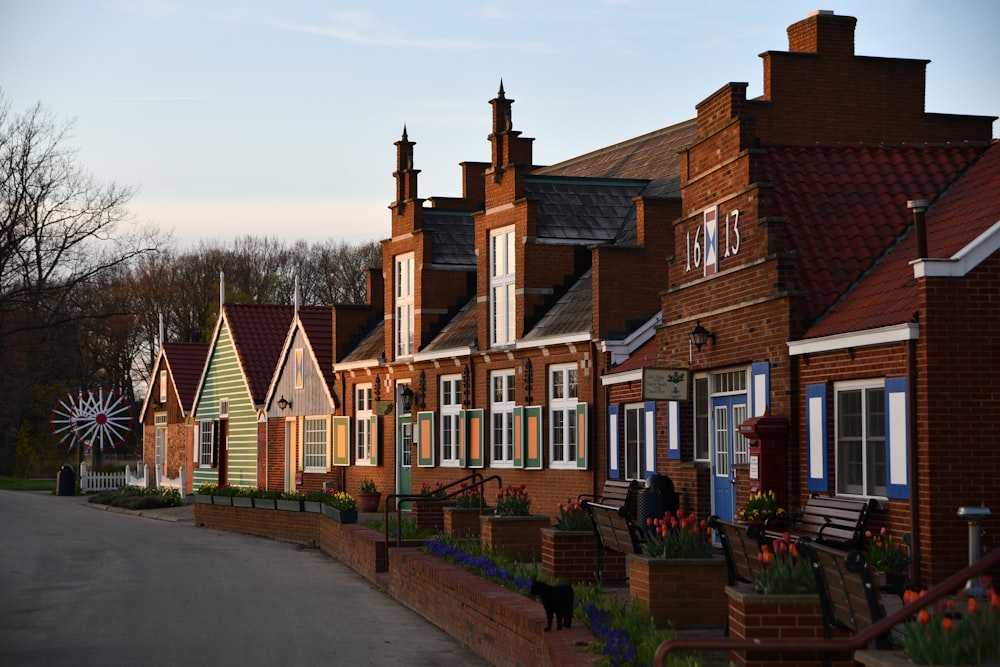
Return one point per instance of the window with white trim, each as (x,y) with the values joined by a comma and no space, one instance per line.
(502,280)
(363,423)
(502,417)
(314,443)
(163,386)
(562,415)
(451,406)
(404,305)
(160,440)
(860,424)
(635,441)
(207,432)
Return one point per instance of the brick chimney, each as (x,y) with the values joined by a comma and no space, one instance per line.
(823,32)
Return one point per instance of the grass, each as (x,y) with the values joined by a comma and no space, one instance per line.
(24,484)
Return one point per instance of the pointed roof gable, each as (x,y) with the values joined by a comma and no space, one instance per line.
(887,294)
(186,363)
(258,332)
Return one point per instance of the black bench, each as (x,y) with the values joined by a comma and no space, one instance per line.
(832,521)
(741,546)
(611,517)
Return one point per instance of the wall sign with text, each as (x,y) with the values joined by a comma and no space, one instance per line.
(664,384)
(705,246)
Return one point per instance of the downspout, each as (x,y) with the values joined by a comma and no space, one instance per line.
(919,208)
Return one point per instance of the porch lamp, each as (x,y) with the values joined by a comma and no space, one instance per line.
(284,403)
(700,335)
(407,397)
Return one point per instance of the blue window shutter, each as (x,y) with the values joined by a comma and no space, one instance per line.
(897,442)
(649,437)
(614,467)
(760,382)
(818,476)
(673,430)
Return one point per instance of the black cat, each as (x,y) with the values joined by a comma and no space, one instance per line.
(557,600)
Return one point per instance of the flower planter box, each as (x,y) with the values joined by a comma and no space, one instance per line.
(242,501)
(289,505)
(343,516)
(368,502)
(517,537)
(756,616)
(226,501)
(429,514)
(685,592)
(462,522)
(264,503)
(202,499)
(312,506)
(569,555)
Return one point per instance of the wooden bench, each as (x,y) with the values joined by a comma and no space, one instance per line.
(610,515)
(850,599)
(741,546)
(832,521)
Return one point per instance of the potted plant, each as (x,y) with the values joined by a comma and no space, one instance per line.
(678,578)
(761,507)
(341,506)
(368,496)
(887,558)
(512,530)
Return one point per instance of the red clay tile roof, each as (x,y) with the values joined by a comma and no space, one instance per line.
(887,294)
(317,323)
(185,362)
(641,358)
(258,332)
(844,204)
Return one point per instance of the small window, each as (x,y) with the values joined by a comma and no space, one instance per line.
(207,431)
(562,415)
(223,407)
(314,444)
(363,422)
(163,386)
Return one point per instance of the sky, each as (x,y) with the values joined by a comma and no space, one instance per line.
(278,119)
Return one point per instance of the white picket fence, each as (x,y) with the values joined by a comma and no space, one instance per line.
(105,481)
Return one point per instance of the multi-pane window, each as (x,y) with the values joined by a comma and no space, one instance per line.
(404,305)
(861,440)
(363,421)
(314,445)
(207,432)
(502,278)
(635,441)
(502,411)
(160,440)
(562,414)
(451,405)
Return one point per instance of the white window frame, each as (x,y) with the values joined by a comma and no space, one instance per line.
(503,272)
(450,406)
(871,445)
(315,443)
(363,424)
(404,305)
(163,386)
(564,441)
(502,418)
(206,433)
(634,424)
(160,441)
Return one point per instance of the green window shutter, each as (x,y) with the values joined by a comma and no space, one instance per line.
(375,440)
(582,435)
(475,452)
(425,439)
(463,438)
(518,437)
(341,441)
(533,437)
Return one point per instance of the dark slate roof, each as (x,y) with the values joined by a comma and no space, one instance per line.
(844,204)
(372,346)
(185,362)
(258,332)
(570,315)
(317,324)
(582,209)
(887,294)
(454,237)
(654,157)
(460,332)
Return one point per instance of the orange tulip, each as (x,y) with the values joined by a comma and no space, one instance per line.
(973,606)
(924,617)
(947,624)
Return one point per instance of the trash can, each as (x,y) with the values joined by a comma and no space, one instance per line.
(66,481)
(657,498)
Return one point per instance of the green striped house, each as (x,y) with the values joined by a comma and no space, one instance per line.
(243,353)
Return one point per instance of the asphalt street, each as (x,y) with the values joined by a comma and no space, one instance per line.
(85,587)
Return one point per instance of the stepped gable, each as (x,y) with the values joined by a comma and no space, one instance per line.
(844,204)
(258,332)
(887,295)
(316,322)
(186,362)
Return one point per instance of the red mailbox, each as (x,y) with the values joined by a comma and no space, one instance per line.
(768,438)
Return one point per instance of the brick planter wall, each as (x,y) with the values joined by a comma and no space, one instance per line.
(518,537)
(687,592)
(429,514)
(462,521)
(569,555)
(297,527)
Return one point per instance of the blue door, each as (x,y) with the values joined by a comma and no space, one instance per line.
(727,414)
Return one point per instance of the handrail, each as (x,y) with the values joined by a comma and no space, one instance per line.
(403,497)
(860,640)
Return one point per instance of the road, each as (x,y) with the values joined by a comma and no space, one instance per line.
(84,587)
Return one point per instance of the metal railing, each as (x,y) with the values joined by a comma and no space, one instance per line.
(466,484)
